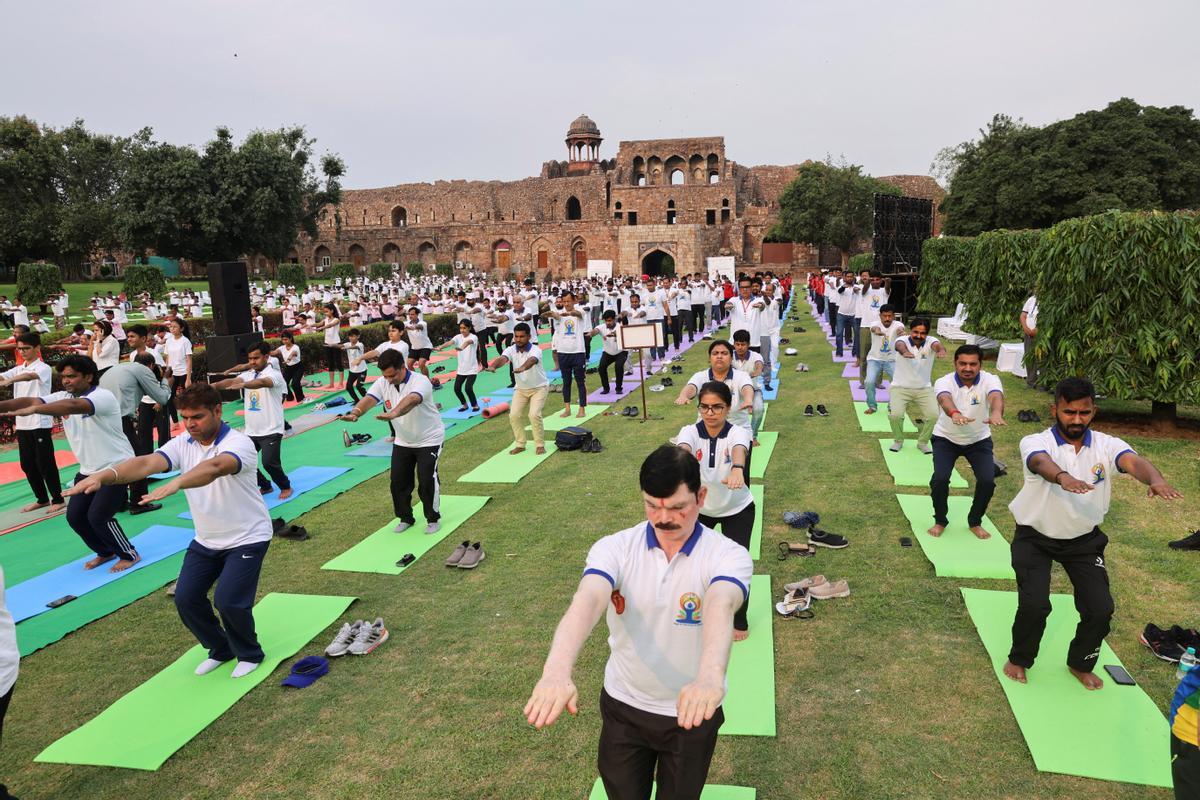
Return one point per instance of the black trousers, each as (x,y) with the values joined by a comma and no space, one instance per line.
(676,328)
(177,386)
(697,317)
(465,383)
(92,516)
(137,489)
(36,448)
(294,376)
(618,362)
(270,447)
(820,304)
(979,456)
(687,323)
(1185,769)
(573,367)
(150,422)
(354,385)
(1033,554)
(633,743)
(737,527)
(4,701)
(235,572)
(831,312)
(416,466)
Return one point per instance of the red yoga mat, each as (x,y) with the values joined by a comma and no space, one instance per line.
(495,411)
(11,471)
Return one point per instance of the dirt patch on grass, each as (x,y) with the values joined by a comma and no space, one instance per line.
(1119,424)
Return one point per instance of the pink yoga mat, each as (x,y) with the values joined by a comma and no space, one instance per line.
(11,471)
(850,371)
(860,395)
(495,410)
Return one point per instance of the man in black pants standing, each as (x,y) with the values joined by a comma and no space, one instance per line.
(36,448)
(1069,470)
(130,381)
(609,333)
(407,398)
(971,403)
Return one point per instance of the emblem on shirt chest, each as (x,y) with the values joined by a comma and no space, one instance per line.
(689,609)
(1097,474)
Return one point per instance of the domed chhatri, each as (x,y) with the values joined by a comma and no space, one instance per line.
(583,141)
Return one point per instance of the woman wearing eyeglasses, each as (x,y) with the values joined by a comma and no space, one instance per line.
(722,450)
(741,386)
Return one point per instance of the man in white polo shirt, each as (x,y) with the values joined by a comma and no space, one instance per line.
(670,587)
(233,527)
(1069,470)
(569,345)
(32,378)
(971,402)
(532,388)
(911,384)
(407,398)
(92,421)
(1029,315)
(262,388)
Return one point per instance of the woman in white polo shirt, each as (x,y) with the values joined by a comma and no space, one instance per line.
(722,450)
(741,386)
(177,352)
(334,361)
(466,343)
(105,349)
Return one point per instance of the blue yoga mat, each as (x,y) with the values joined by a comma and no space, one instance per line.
(454,413)
(303,479)
(772,393)
(28,598)
(379,448)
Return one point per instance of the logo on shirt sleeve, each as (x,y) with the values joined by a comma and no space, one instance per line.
(689,609)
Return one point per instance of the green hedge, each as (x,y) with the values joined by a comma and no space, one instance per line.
(36,282)
(945,266)
(415,269)
(1001,279)
(1119,303)
(380,271)
(145,278)
(343,271)
(293,275)
(862,261)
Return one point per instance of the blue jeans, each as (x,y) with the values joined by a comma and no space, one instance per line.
(874,368)
(843,333)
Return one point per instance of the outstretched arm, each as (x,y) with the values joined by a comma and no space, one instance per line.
(699,700)
(1148,474)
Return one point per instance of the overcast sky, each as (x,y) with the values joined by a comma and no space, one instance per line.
(408,91)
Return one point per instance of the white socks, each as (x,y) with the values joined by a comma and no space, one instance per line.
(207,666)
(244,668)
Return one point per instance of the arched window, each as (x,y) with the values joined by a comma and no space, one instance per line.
(573,209)
(618,205)
(670,212)
(399,217)
(677,177)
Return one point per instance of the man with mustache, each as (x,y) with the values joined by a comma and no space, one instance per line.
(911,384)
(1069,471)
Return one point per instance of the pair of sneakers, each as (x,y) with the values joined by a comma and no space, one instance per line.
(431,527)
(466,555)
(821,411)
(358,638)
(898,445)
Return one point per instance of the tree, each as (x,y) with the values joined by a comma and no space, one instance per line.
(293,275)
(343,271)
(1125,156)
(145,278)
(381,271)
(28,197)
(228,200)
(36,282)
(829,204)
(1119,303)
(946,264)
(90,170)
(1002,277)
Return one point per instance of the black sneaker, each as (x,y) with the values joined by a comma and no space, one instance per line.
(822,411)
(1164,644)
(808,411)
(1189,542)
(820,538)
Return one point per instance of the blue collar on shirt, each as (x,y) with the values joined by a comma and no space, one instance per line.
(224,429)
(528,347)
(1058,438)
(688,546)
(958,380)
(712,441)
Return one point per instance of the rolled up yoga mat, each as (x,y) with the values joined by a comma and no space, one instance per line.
(496,410)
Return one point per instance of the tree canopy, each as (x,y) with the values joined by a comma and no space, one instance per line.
(829,204)
(1125,156)
(68,194)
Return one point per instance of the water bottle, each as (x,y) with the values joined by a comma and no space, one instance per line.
(1187,663)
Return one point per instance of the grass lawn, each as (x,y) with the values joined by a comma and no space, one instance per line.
(886,694)
(80,292)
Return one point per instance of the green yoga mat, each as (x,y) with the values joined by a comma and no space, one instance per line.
(506,468)
(879,422)
(762,454)
(957,553)
(750,702)
(380,551)
(145,727)
(710,792)
(762,425)
(911,467)
(1114,734)
(553,420)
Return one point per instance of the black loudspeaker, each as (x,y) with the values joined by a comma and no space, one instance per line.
(223,352)
(230,290)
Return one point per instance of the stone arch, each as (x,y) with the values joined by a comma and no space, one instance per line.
(675,169)
(391,253)
(579,254)
(358,256)
(696,169)
(427,253)
(670,212)
(539,253)
(638,175)
(714,169)
(658,262)
(654,170)
(501,255)
(573,210)
(399,217)
(322,257)
(462,251)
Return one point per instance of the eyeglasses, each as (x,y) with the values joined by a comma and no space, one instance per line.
(713,409)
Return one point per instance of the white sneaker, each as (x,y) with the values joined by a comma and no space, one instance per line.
(341,643)
(207,666)
(401,527)
(244,668)
(896,447)
(433,527)
(926,449)
(369,637)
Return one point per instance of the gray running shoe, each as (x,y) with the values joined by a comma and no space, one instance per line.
(341,643)
(433,527)
(457,555)
(896,447)
(926,449)
(472,557)
(368,638)
(402,526)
